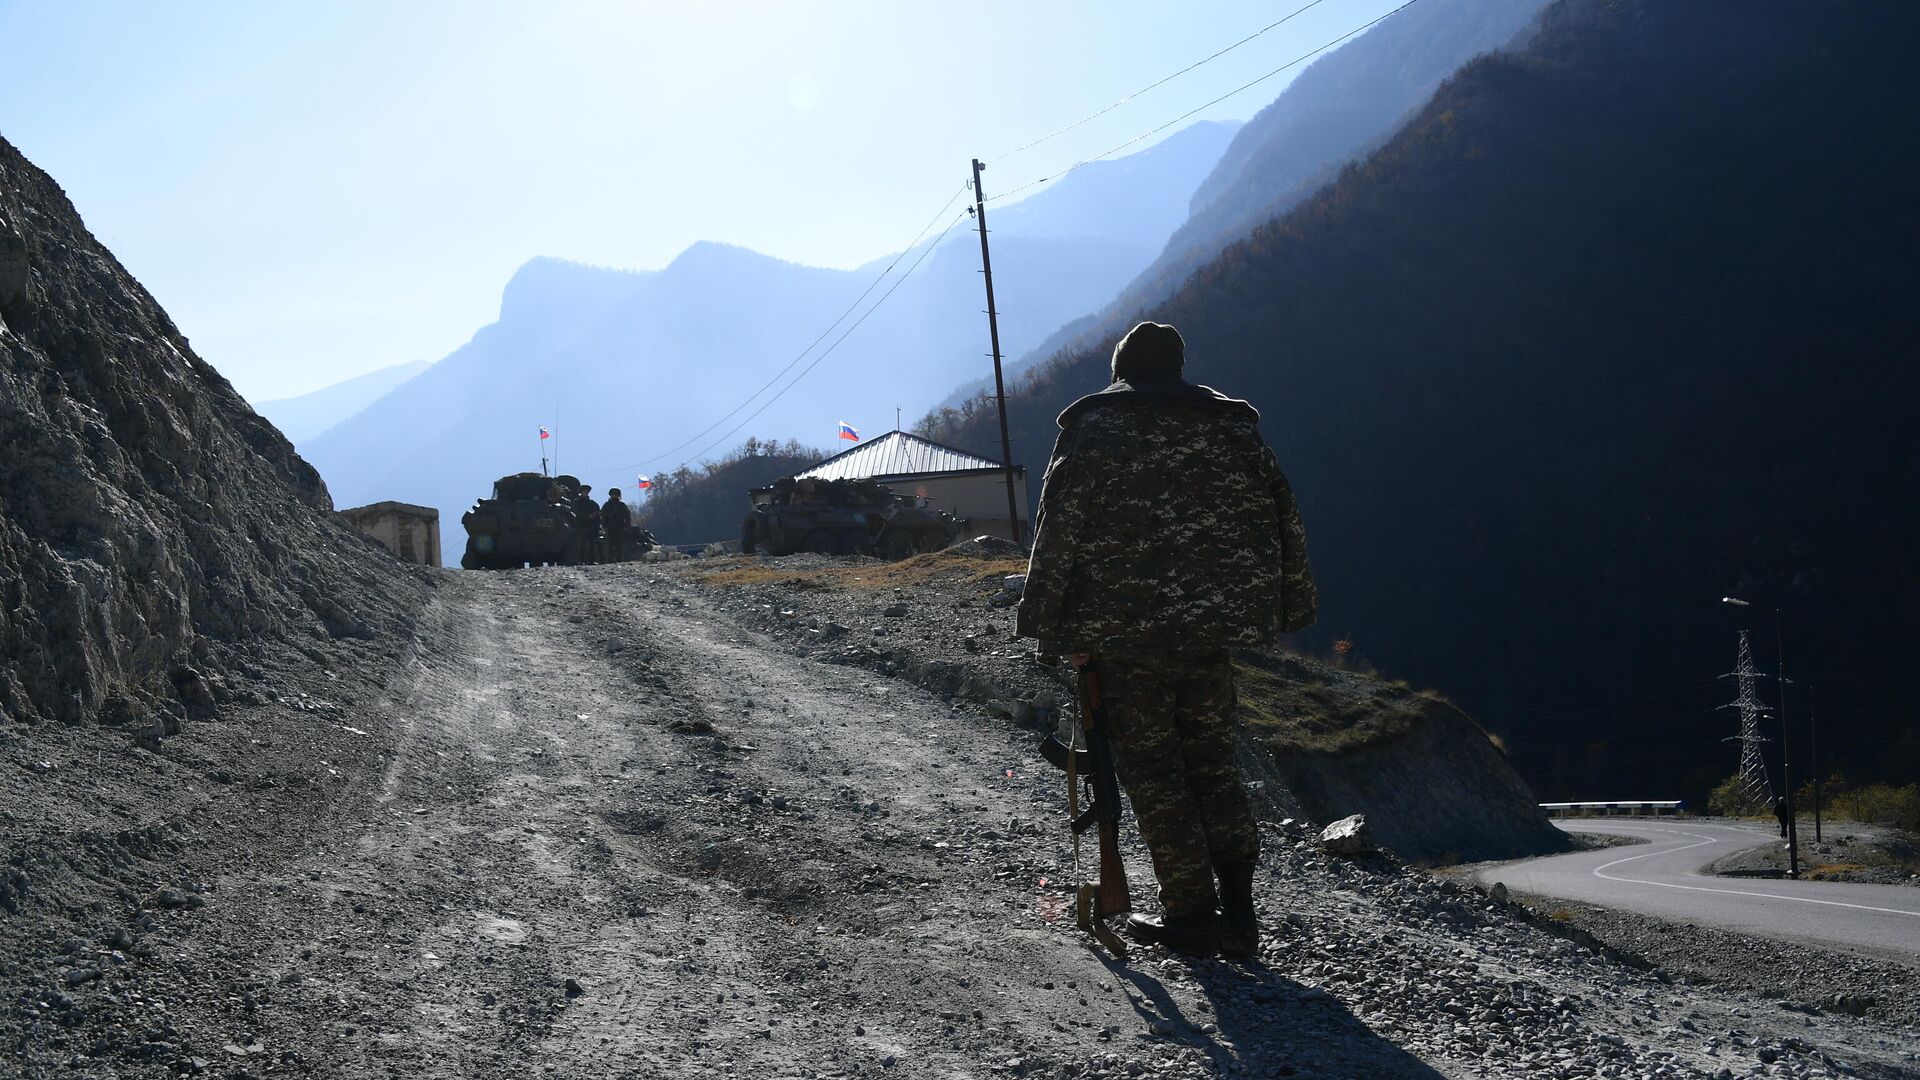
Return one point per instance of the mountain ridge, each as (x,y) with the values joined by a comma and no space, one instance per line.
(1343,105)
(623,366)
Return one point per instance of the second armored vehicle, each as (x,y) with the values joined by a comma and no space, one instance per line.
(842,516)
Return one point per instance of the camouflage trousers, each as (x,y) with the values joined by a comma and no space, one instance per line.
(1170,720)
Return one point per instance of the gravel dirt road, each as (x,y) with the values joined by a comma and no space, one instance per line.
(587,825)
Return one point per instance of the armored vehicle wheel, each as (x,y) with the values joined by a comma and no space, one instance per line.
(854,542)
(818,541)
(467,562)
(932,539)
(895,543)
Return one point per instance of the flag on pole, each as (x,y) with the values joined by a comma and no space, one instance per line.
(849,432)
(645,482)
(543,432)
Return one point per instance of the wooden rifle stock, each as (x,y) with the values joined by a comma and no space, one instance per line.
(1114,896)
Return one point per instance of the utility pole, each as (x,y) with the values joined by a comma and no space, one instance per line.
(993,329)
(1786,740)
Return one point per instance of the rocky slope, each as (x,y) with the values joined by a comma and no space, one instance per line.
(154,532)
(1322,742)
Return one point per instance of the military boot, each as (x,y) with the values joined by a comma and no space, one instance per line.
(1239,926)
(1194,935)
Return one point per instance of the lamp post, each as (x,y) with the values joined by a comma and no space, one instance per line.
(1786,766)
(1813,751)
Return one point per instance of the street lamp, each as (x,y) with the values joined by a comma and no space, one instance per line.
(1786,767)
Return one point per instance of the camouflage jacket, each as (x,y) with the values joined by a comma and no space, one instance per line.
(616,515)
(1165,522)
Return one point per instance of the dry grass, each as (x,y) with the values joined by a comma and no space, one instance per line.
(1294,704)
(1826,870)
(866,574)
(1297,705)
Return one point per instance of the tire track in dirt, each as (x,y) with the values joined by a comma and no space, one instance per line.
(613,835)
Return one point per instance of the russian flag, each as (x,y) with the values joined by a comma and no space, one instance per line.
(645,483)
(849,432)
(543,433)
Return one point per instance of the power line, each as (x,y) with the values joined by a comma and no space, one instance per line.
(1295,62)
(789,366)
(1538,739)
(1536,713)
(828,351)
(1150,86)
(864,293)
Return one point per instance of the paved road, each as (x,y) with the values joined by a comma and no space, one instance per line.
(1662,878)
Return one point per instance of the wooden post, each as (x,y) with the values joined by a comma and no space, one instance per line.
(993,329)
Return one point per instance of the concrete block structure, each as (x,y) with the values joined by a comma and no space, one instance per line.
(410,532)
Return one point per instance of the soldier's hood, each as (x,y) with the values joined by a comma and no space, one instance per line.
(1123,394)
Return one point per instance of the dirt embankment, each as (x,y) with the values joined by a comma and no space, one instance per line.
(154,532)
(1434,787)
(1322,742)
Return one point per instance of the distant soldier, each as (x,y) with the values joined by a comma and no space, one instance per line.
(1166,535)
(616,519)
(1780,811)
(586,525)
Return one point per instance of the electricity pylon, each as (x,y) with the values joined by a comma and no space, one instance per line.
(1755,788)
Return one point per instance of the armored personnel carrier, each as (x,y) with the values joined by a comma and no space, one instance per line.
(527,522)
(842,516)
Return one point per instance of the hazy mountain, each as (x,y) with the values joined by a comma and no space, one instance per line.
(624,367)
(1620,324)
(1341,107)
(301,418)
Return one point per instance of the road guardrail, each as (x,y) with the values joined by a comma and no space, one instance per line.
(1653,807)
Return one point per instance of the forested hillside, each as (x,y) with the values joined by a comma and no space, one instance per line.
(698,506)
(1621,323)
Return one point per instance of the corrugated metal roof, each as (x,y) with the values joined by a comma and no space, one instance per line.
(896,453)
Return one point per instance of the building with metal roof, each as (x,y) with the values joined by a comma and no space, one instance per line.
(963,484)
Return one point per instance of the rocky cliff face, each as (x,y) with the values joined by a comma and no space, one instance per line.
(152,528)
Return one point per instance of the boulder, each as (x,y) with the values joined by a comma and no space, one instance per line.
(1348,836)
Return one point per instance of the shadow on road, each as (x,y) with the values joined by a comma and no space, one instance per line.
(1266,1024)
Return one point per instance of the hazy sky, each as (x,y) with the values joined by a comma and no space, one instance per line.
(319,190)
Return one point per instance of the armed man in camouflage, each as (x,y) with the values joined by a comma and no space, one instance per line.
(616,521)
(1167,535)
(586,526)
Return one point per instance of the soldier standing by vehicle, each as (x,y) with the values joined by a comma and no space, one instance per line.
(586,526)
(616,517)
(1167,535)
